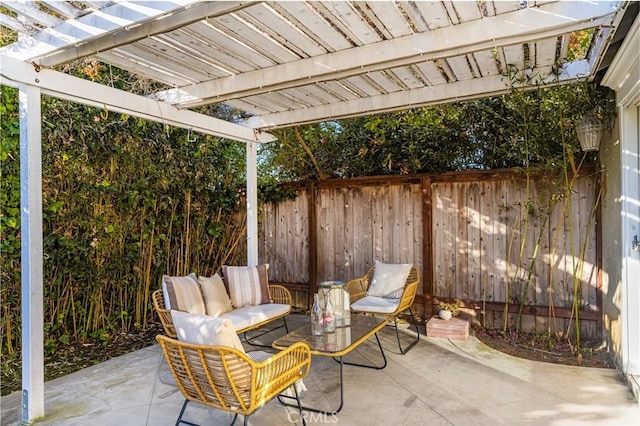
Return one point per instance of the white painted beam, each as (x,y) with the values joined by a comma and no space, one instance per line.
(547,20)
(113,26)
(445,93)
(31,254)
(64,86)
(252,204)
(30,11)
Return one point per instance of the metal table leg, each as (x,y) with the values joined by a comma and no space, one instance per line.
(375,367)
(281,398)
(339,359)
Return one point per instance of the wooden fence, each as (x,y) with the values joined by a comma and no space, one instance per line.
(490,239)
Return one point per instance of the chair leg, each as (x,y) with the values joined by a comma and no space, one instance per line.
(184,406)
(234,419)
(295,390)
(179,421)
(249,340)
(412,344)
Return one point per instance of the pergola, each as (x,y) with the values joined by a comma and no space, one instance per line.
(283,64)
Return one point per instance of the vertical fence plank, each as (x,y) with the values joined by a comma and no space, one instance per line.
(474,235)
(461,241)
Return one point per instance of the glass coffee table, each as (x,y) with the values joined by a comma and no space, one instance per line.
(336,345)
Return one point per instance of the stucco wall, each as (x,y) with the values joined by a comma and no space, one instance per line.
(611,250)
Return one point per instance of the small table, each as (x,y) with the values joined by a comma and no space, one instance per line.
(336,345)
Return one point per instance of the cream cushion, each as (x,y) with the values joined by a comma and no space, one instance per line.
(247,285)
(389,279)
(216,299)
(205,330)
(249,316)
(183,294)
(374,304)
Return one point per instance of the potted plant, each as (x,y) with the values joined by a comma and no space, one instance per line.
(448,310)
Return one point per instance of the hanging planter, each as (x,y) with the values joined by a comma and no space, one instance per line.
(589,132)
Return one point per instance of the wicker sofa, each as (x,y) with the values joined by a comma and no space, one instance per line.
(275,301)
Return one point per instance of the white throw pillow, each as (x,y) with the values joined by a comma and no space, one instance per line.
(205,330)
(389,279)
(216,299)
(183,294)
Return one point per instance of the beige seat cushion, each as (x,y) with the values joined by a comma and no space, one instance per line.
(183,294)
(248,285)
(375,304)
(205,330)
(249,316)
(216,299)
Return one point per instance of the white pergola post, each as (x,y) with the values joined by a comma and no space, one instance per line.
(31,254)
(252,204)
(630,211)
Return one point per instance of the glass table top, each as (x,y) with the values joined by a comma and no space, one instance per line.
(337,343)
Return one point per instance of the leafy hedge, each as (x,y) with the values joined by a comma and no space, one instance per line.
(124,201)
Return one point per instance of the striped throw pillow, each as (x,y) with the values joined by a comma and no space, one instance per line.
(247,285)
(183,294)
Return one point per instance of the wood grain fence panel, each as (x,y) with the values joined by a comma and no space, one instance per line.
(496,293)
(444,239)
(461,242)
(404,225)
(266,232)
(486,244)
(474,235)
(326,248)
(394,224)
(415,222)
(285,237)
(300,240)
(513,218)
(588,271)
(501,241)
(339,235)
(364,257)
(386,207)
(378,209)
(558,260)
(531,227)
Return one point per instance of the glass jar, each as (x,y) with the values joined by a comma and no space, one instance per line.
(337,293)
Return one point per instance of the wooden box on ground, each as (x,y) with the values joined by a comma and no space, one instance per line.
(455,328)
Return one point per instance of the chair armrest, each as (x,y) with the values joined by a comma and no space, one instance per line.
(281,370)
(280,294)
(357,288)
(410,290)
(164,314)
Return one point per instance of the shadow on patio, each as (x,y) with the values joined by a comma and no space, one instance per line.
(438,382)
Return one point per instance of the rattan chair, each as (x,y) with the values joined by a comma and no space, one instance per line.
(227,379)
(386,307)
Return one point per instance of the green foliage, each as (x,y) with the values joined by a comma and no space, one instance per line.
(519,129)
(124,201)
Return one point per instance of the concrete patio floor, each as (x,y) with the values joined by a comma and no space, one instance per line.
(439,382)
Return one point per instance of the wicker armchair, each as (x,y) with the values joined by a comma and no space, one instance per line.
(277,293)
(379,306)
(227,379)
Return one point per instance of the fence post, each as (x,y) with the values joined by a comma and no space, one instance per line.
(313,242)
(427,247)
